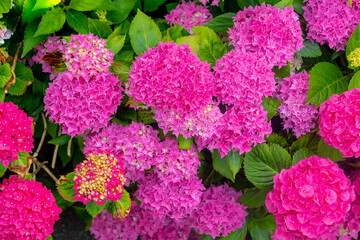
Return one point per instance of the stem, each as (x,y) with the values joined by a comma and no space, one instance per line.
(210,175)
(69,147)
(42,165)
(55,151)
(42,136)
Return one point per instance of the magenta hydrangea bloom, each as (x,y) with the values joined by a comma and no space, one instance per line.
(171,77)
(310,200)
(100,177)
(242,78)
(15,132)
(331,22)
(296,114)
(214,2)
(271,32)
(86,55)
(80,104)
(54,46)
(188,15)
(339,122)
(219,212)
(27,209)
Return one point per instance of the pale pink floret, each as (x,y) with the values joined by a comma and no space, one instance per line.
(339,122)
(310,200)
(331,22)
(296,114)
(27,209)
(15,133)
(188,15)
(269,31)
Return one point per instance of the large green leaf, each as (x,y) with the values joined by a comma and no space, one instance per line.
(263,162)
(310,49)
(354,41)
(325,80)
(274,138)
(28,14)
(152,5)
(5,74)
(51,22)
(184,143)
(260,228)
(78,21)
(2,169)
(123,8)
(310,141)
(23,76)
(5,6)
(301,154)
(355,81)
(85,5)
(40,4)
(65,187)
(229,165)
(121,69)
(93,208)
(236,235)
(144,33)
(115,43)
(29,40)
(327,151)
(60,140)
(120,209)
(254,197)
(99,28)
(271,106)
(222,23)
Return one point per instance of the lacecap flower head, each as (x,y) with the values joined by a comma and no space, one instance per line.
(15,132)
(27,209)
(339,122)
(354,58)
(271,32)
(100,177)
(310,200)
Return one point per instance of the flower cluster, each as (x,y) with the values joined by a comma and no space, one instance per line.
(188,15)
(5,33)
(331,22)
(15,132)
(298,116)
(339,122)
(354,58)
(27,209)
(219,212)
(269,31)
(100,177)
(310,200)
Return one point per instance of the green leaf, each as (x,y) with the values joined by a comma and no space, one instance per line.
(2,169)
(325,80)
(123,8)
(29,14)
(229,165)
(327,151)
(274,138)
(267,223)
(116,43)
(23,76)
(222,23)
(119,209)
(65,187)
(5,74)
(177,31)
(355,81)
(310,49)
(253,197)
(144,33)
(78,21)
(152,5)
(284,3)
(99,28)
(283,72)
(29,40)
(93,208)
(258,233)
(121,69)
(184,143)
(354,41)
(51,22)
(350,2)
(60,140)
(85,5)
(30,101)
(301,154)
(236,235)
(40,4)
(247,3)
(271,106)
(2,96)
(263,162)
(83,214)
(5,6)
(310,141)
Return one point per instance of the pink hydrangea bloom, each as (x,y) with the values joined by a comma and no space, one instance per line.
(331,22)
(188,15)
(214,2)
(310,200)
(87,55)
(53,45)
(296,114)
(243,77)
(27,209)
(15,132)
(171,77)
(339,122)
(80,104)
(219,212)
(271,32)
(100,177)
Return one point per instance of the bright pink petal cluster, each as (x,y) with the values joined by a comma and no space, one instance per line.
(100,177)
(271,32)
(339,122)
(27,209)
(83,103)
(296,114)
(310,200)
(243,77)
(219,212)
(188,15)
(214,2)
(15,132)
(331,22)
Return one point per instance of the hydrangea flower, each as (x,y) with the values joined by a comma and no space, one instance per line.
(269,31)
(80,104)
(339,122)
(242,78)
(331,22)
(219,212)
(100,177)
(15,132)
(188,15)
(354,58)
(296,114)
(27,209)
(171,77)
(5,33)
(214,2)
(310,200)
